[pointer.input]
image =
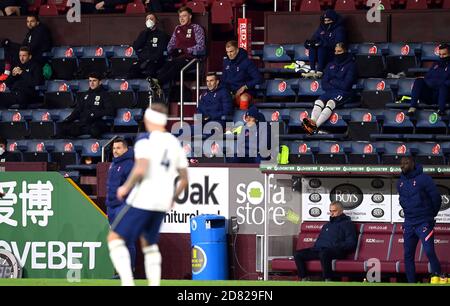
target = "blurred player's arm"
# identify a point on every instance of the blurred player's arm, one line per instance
(137, 174)
(182, 184)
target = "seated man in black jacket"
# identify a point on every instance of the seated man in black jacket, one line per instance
(24, 78)
(86, 118)
(149, 46)
(336, 240)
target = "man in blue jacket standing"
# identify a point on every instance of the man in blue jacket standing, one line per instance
(434, 88)
(215, 102)
(321, 46)
(336, 240)
(421, 201)
(119, 170)
(240, 75)
(338, 80)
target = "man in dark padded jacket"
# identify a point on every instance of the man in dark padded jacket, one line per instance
(336, 240)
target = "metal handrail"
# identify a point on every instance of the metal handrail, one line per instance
(107, 145)
(197, 61)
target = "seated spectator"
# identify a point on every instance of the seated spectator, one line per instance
(215, 102)
(336, 240)
(434, 88)
(187, 38)
(10, 7)
(248, 137)
(150, 46)
(338, 80)
(240, 75)
(321, 45)
(5, 156)
(23, 81)
(38, 40)
(86, 118)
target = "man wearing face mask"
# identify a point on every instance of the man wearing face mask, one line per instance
(434, 88)
(149, 46)
(338, 80)
(321, 45)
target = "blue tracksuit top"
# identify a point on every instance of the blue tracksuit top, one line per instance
(330, 34)
(338, 234)
(418, 196)
(215, 103)
(239, 72)
(339, 77)
(117, 175)
(439, 74)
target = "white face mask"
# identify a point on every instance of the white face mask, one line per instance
(149, 23)
(2, 151)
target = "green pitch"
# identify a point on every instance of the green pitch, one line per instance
(106, 282)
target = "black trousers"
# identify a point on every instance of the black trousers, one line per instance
(324, 255)
(77, 128)
(171, 70)
(137, 71)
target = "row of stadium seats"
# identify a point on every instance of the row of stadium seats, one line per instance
(374, 92)
(64, 152)
(359, 123)
(44, 123)
(356, 124)
(372, 60)
(124, 93)
(376, 240)
(365, 152)
(71, 62)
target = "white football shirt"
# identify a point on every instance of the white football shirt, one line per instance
(156, 190)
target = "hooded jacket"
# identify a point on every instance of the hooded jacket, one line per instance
(215, 103)
(339, 77)
(418, 196)
(239, 72)
(117, 175)
(439, 74)
(338, 234)
(330, 34)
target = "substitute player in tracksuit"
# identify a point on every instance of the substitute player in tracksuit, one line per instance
(321, 46)
(421, 201)
(338, 80)
(118, 173)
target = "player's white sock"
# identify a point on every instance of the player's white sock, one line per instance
(120, 258)
(326, 113)
(152, 264)
(317, 109)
